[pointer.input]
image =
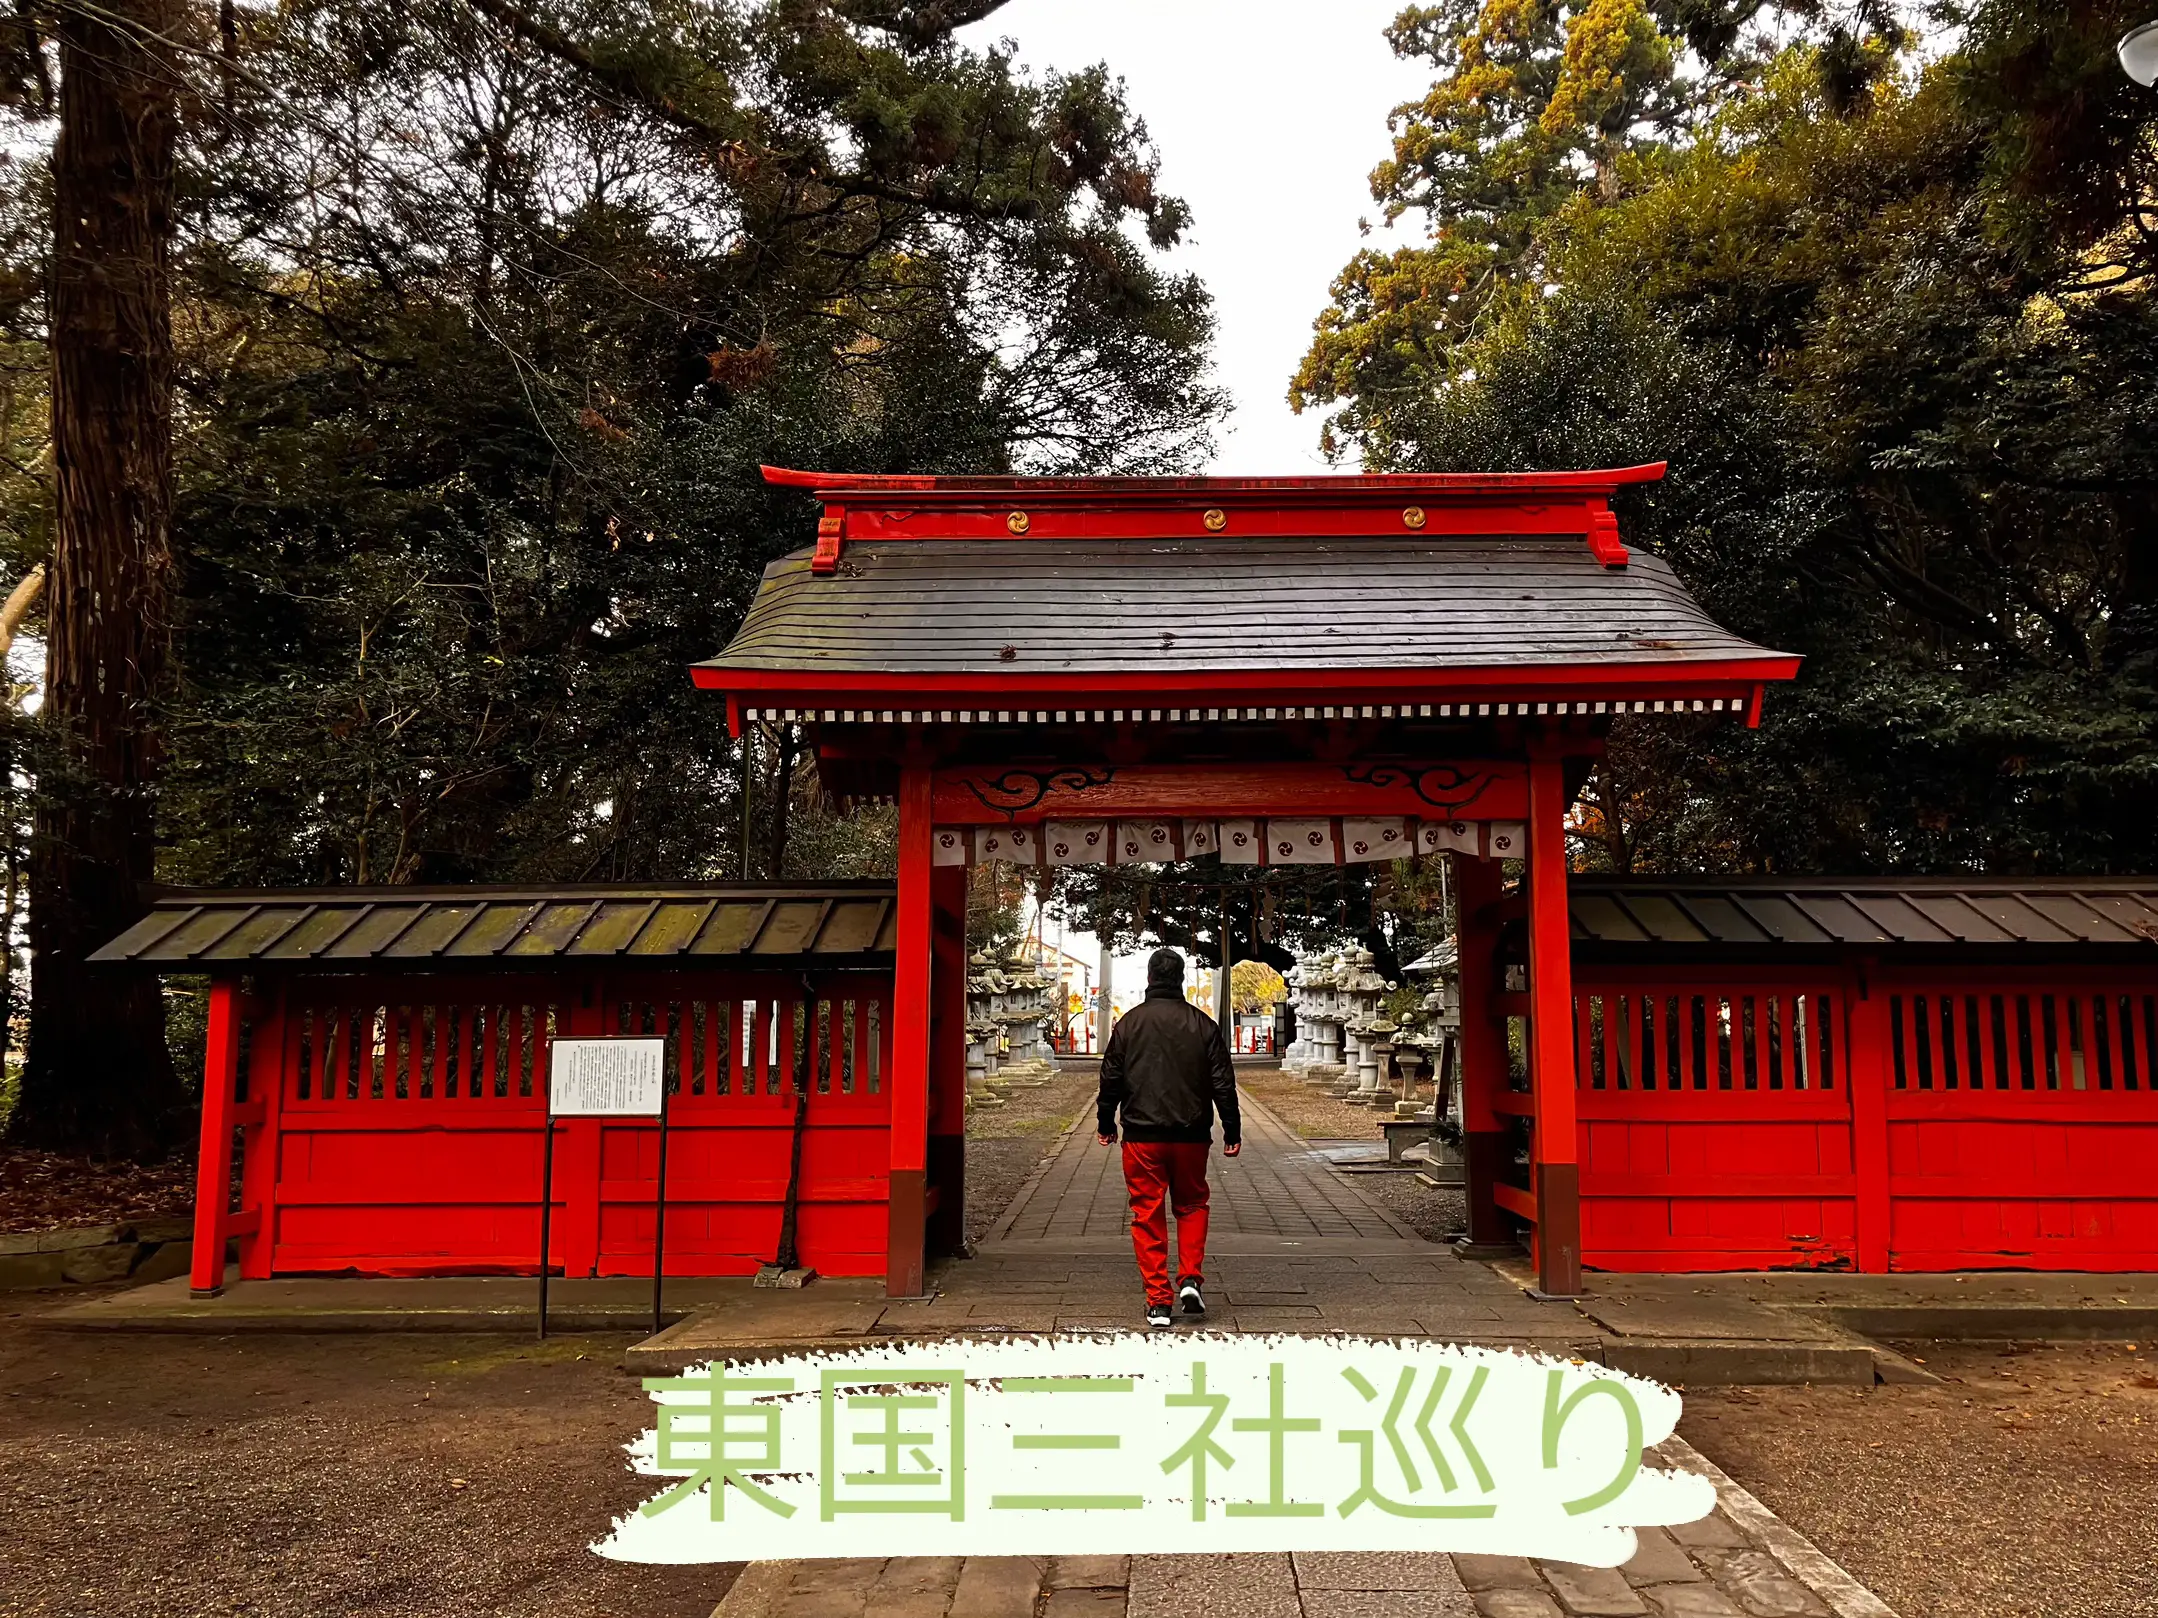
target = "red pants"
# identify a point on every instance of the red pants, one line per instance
(1161, 1174)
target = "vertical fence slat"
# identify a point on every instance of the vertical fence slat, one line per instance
(685, 1045)
(713, 1061)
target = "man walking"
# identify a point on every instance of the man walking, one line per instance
(1167, 1071)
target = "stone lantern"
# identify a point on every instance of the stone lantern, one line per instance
(984, 1033)
(1432, 1041)
(1292, 1055)
(1375, 1060)
(1020, 1014)
(1359, 990)
(1323, 1007)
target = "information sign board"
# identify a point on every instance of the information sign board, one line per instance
(607, 1078)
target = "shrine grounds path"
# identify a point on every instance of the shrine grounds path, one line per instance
(1293, 1246)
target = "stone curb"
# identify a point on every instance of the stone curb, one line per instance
(1799, 1556)
(1982, 1323)
(155, 1231)
(207, 1320)
(1678, 1361)
(758, 1591)
(1707, 1362)
(137, 1249)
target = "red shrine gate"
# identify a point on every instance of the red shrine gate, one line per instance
(1008, 655)
(1656, 1076)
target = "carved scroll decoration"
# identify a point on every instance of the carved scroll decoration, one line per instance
(1443, 786)
(1014, 792)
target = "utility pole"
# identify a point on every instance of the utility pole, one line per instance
(1223, 1009)
(1104, 1010)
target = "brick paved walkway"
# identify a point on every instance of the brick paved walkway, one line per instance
(1294, 1247)
(1740, 1562)
(1274, 1188)
(1291, 1246)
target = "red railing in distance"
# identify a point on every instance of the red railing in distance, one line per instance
(400, 1131)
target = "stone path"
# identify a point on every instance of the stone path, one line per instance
(1739, 1562)
(1276, 1187)
(1291, 1246)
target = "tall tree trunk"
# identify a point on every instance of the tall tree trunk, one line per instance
(1613, 831)
(782, 800)
(98, 1077)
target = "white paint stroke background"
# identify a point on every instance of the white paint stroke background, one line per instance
(1507, 1426)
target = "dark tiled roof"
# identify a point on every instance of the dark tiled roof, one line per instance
(1081, 606)
(344, 929)
(1865, 912)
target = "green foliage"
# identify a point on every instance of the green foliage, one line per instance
(1271, 914)
(1001, 907)
(487, 318)
(1902, 354)
(1535, 103)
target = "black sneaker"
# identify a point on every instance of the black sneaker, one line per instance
(1189, 1298)
(1158, 1316)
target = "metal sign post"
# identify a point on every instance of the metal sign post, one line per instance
(659, 1212)
(546, 1214)
(621, 1077)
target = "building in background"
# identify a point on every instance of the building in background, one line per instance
(1073, 1030)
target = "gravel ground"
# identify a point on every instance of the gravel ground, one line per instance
(385, 1475)
(1004, 1143)
(1312, 1113)
(2020, 1486)
(1436, 1215)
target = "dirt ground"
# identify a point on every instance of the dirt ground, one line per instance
(1436, 1215)
(2021, 1487)
(1314, 1114)
(1004, 1143)
(385, 1475)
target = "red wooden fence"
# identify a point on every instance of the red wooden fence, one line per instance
(1746, 1119)
(393, 1125)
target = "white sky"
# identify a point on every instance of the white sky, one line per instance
(1269, 117)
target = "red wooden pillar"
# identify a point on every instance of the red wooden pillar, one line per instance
(213, 1164)
(1866, 1067)
(911, 999)
(1551, 1036)
(947, 1155)
(1486, 1146)
(267, 1067)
